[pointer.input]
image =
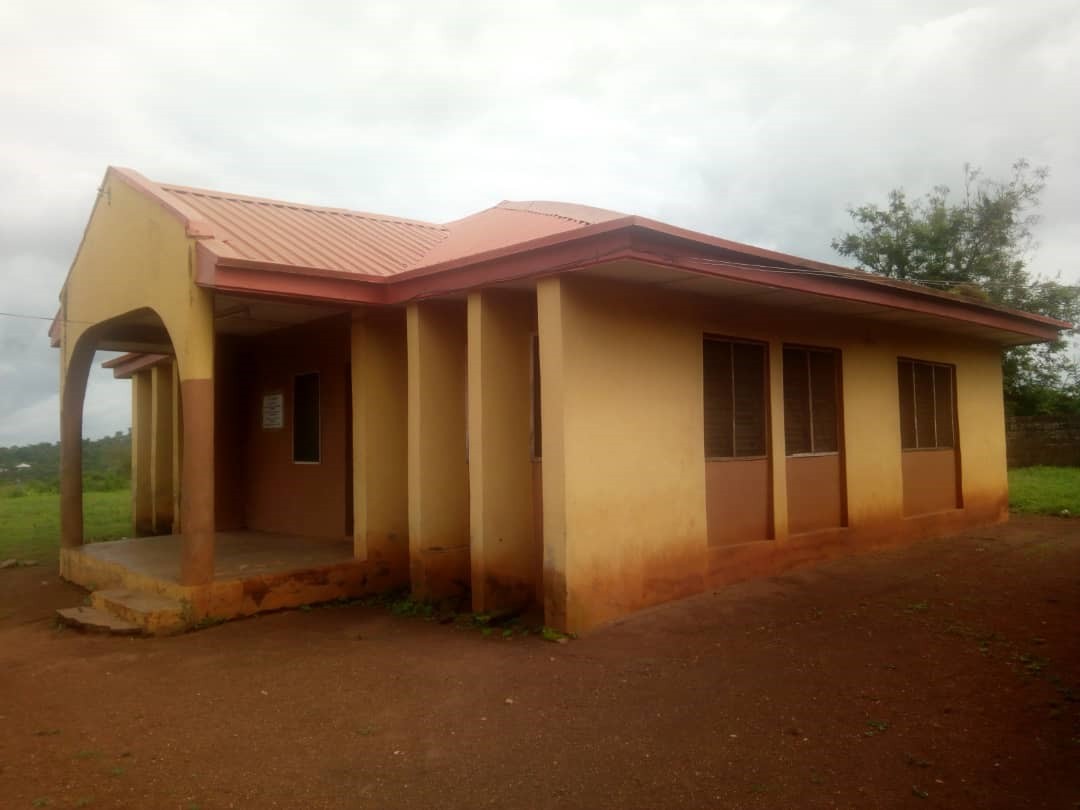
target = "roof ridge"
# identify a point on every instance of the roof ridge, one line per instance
(275, 203)
(525, 207)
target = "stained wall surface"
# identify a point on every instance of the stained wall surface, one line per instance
(626, 522)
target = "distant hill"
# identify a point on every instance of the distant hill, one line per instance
(106, 464)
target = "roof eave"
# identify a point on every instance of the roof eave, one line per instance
(634, 238)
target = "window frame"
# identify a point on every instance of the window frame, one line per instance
(765, 394)
(932, 365)
(837, 388)
(318, 418)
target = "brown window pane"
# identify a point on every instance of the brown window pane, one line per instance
(306, 418)
(748, 362)
(905, 379)
(924, 406)
(823, 393)
(719, 441)
(943, 405)
(796, 402)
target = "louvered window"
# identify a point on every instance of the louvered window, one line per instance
(735, 399)
(927, 405)
(811, 401)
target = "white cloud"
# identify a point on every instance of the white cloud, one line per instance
(760, 121)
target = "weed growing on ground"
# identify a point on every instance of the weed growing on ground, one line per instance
(1033, 664)
(915, 762)
(875, 727)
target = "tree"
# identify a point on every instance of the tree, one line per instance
(977, 246)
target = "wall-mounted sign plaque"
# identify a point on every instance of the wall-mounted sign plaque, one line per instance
(273, 411)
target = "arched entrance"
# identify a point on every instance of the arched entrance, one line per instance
(172, 432)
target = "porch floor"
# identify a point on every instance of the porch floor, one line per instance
(237, 555)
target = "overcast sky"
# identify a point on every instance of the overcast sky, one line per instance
(760, 121)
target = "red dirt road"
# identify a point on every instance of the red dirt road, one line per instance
(942, 675)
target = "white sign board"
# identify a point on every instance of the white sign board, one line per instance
(273, 411)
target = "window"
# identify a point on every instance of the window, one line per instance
(811, 396)
(735, 410)
(306, 419)
(927, 405)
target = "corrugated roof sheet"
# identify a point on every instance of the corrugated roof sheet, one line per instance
(276, 232)
(308, 236)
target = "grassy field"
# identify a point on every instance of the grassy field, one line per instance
(1045, 490)
(30, 525)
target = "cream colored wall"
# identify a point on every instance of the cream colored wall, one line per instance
(504, 550)
(624, 476)
(380, 440)
(161, 450)
(552, 332)
(622, 451)
(135, 255)
(438, 471)
(142, 440)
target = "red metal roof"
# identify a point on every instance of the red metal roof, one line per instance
(296, 235)
(269, 247)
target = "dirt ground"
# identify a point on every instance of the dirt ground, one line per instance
(946, 674)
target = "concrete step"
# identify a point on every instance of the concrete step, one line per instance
(94, 620)
(155, 614)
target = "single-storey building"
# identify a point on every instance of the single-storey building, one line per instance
(539, 403)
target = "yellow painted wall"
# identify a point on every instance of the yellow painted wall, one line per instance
(438, 471)
(142, 440)
(627, 433)
(504, 549)
(161, 449)
(552, 338)
(624, 475)
(135, 255)
(380, 439)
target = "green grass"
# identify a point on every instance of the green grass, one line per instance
(30, 524)
(1045, 490)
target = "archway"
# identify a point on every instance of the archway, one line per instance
(177, 477)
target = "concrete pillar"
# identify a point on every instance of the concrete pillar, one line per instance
(550, 331)
(195, 356)
(438, 465)
(161, 447)
(777, 449)
(504, 551)
(623, 461)
(74, 374)
(380, 435)
(177, 449)
(142, 438)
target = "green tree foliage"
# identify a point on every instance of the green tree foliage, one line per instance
(976, 244)
(106, 464)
